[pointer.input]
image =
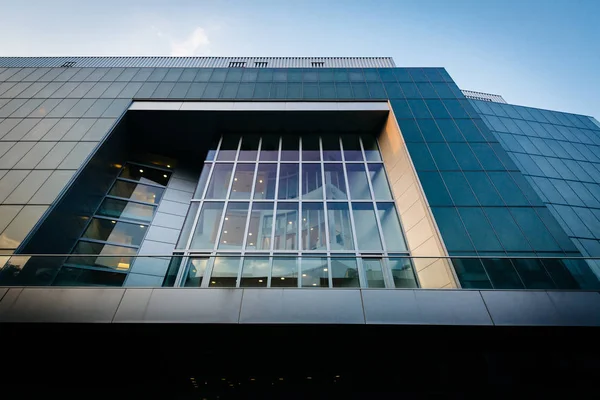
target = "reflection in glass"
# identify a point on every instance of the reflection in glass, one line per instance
(286, 227)
(195, 272)
(312, 183)
(390, 224)
(225, 272)
(340, 231)
(357, 180)
(381, 189)
(103, 259)
(115, 232)
(471, 273)
(533, 274)
(314, 272)
(502, 273)
(219, 182)
(367, 235)
(311, 150)
(234, 225)
(255, 272)
(187, 226)
(205, 234)
(371, 149)
(352, 150)
(260, 227)
(68, 276)
(331, 148)
(242, 181)
(313, 226)
(202, 181)
(229, 147)
(335, 184)
(145, 174)
(373, 272)
(402, 273)
(210, 156)
(289, 148)
(249, 148)
(136, 191)
(284, 272)
(266, 177)
(269, 148)
(344, 272)
(124, 209)
(288, 181)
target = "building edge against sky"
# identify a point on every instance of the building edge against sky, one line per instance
(451, 176)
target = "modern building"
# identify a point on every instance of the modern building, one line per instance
(302, 191)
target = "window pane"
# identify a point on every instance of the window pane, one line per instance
(187, 226)
(286, 227)
(219, 183)
(371, 149)
(357, 180)
(229, 146)
(108, 256)
(314, 272)
(335, 184)
(266, 176)
(502, 274)
(260, 227)
(368, 234)
(390, 224)
(225, 271)
(331, 148)
(289, 148)
(340, 231)
(234, 225)
(373, 272)
(68, 276)
(269, 148)
(135, 191)
(145, 174)
(208, 224)
(471, 273)
(313, 226)
(255, 272)
(352, 150)
(402, 272)
(124, 209)
(284, 272)
(242, 181)
(344, 272)
(311, 148)
(288, 181)
(202, 181)
(533, 274)
(249, 149)
(195, 272)
(312, 183)
(381, 188)
(116, 232)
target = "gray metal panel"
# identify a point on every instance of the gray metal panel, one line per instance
(577, 308)
(9, 298)
(168, 220)
(173, 207)
(150, 247)
(151, 266)
(391, 307)
(452, 307)
(521, 308)
(199, 62)
(160, 234)
(315, 306)
(194, 305)
(133, 306)
(63, 305)
(3, 292)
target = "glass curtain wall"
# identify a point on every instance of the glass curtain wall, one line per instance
(293, 211)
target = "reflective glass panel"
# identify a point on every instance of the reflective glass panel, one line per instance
(229, 146)
(225, 272)
(242, 181)
(311, 148)
(255, 272)
(136, 191)
(249, 148)
(373, 272)
(313, 226)
(314, 272)
(115, 232)
(108, 256)
(219, 182)
(269, 148)
(286, 227)
(187, 226)
(260, 227)
(145, 174)
(288, 181)
(335, 183)
(202, 181)
(352, 149)
(195, 272)
(381, 189)
(284, 272)
(234, 224)
(331, 148)
(312, 183)
(266, 177)
(344, 272)
(368, 234)
(533, 274)
(207, 227)
(290, 148)
(371, 149)
(502, 274)
(340, 231)
(390, 224)
(124, 209)
(402, 273)
(357, 180)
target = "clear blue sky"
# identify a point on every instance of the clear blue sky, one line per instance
(541, 53)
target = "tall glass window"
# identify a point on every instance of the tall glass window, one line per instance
(291, 211)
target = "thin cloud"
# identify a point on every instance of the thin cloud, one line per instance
(195, 44)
